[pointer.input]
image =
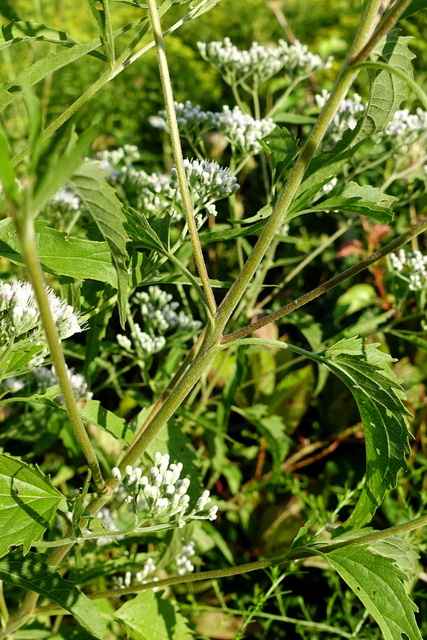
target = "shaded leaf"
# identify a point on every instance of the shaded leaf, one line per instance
(282, 148)
(388, 90)
(33, 574)
(149, 617)
(28, 502)
(24, 30)
(378, 393)
(414, 7)
(94, 413)
(105, 208)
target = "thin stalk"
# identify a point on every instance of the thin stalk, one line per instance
(177, 154)
(298, 553)
(109, 32)
(290, 276)
(344, 81)
(26, 236)
(328, 285)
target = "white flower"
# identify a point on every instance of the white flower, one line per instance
(241, 130)
(346, 117)
(412, 267)
(67, 197)
(160, 314)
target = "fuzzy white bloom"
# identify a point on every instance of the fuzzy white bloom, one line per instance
(160, 313)
(348, 114)
(46, 378)
(67, 197)
(407, 128)
(241, 130)
(162, 493)
(258, 63)
(327, 188)
(182, 560)
(412, 266)
(19, 313)
(147, 344)
(208, 182)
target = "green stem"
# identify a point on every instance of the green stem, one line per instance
(298, 553)
(328, 285)
(344, 80)
(177, 154)
(25, 230)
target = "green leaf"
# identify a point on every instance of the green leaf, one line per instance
(7, 172)
(99, 11)
(28, 502)
(58, 163)
(60, 254)
(43, 68)
(199, 7)
(366, 372)
(366, 200)
(388, 90)
(33, 574)
(272, 428)
(94, 413)
(380, 586)
(282, 148)
(25, 30)
(150, 617)
(106, 210)
(414, 7)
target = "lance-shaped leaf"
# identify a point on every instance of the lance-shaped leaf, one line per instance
(32, 573)
(379, 584)
(28, 502)
(366, 372)
(100, 198)
(414, 7)
(24, 30)
(61, 255)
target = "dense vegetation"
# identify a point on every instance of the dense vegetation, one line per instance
(235, 276)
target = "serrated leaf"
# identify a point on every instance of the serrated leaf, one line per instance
(149, 617)
(380, 586)
(33, 574)
(28, 502)
(106, 210)
(60, 254)
(379, 396)
(388, 90)
(366, 200)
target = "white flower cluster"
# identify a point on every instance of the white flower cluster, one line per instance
(140, 576)
(347, 116)
(327, 188)
(407, 128)
(68, 198)
(163, 494)
(46, 378)
(240, 129)
(109, 160)
(147, 344)
(412, 266)
(183, 561)
(159, 312)
(259, 63)
(208, 182)
(19, 314)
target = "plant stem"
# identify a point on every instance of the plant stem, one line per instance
(177, 154)
(328, 285)
(25, 229)
(344, 81)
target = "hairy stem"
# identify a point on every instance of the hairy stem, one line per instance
(177, 154)
(328, 285)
